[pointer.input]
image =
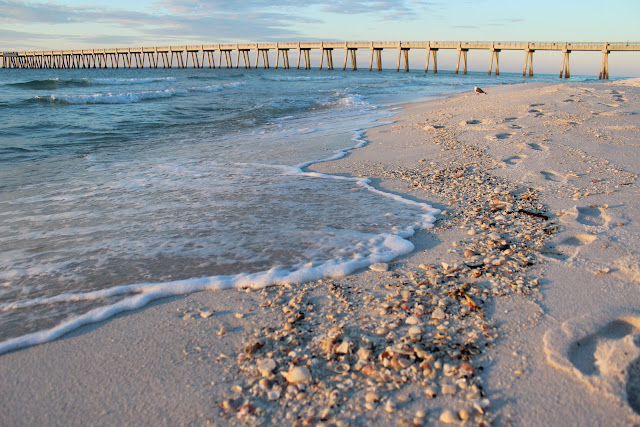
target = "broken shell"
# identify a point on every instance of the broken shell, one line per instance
(449, 389)
(412, 320)
(415, 330)
(390, 407)
(438, 314)
(273, 394)
(371, 397)
(448, 417)
(343, 348)
(379, 267)
(266, 367)
(364, 353)
(297, 374)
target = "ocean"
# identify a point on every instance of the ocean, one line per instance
(118, 187)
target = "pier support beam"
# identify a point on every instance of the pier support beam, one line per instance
(494, 54)
(285, 58)
(565, 63)
(328, 51)
(228, 61)
(462, 52)
(244, 53)
(378, 54)
(265, 58)
(350, 51)
(305, 53)
(604, 67)
(403, 51)
(528, 61)
(432, 53)
(210, 58)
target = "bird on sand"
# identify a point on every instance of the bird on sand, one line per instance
(478, 90)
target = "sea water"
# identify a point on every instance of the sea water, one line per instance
(122, 186)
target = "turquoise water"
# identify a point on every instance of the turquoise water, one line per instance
(120, 186)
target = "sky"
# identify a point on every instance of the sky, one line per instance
(84, 24)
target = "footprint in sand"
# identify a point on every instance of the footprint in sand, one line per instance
(471, 122)
(617, 96)
(500, 136)
(553, 176)
(514, 160)
(602, 352)
(593, 215)
(510, 119)
(537, 113)
(537, 147)
(570, 247)
(578, 240)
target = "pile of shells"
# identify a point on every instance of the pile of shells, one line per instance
(401, 350)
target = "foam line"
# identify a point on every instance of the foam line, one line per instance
(388, 247)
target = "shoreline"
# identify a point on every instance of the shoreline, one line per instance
(194, 359)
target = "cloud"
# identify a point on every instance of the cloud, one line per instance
(186, 21)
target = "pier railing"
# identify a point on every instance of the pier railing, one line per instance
(204, 56)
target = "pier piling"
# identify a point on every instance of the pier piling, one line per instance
(462, 52)
(494, 54)
(604, 67)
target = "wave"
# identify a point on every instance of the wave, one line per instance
(303, 78)
(216, 88)
(384, 247)
(114, 81)
(53, 84)
(109, 98)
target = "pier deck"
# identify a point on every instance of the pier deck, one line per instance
(204, 56)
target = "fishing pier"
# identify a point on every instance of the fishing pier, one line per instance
(204, 56)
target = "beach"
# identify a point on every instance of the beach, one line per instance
(520, 305)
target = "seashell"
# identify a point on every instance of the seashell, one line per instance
(266, 367)
(438, 314)
(423, 354)
(468, 253)
(390, 407)
(364, 353)
(264, 384)
(448, 417)
(465, 369)
(273, 394)
(344, 347)
(448, 389)
(379, 267)
(381, 331)
(371, 397)
(481, 404)
(342, 368)
(415, 330)
(412, 320)
(368, 370)
(297, 374)
(430, 392)
(463, 414)
(399, 350)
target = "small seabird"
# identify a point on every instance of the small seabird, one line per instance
(478, 90)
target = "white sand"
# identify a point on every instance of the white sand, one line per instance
(569, 357)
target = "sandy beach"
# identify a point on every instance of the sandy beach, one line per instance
(520, 307)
